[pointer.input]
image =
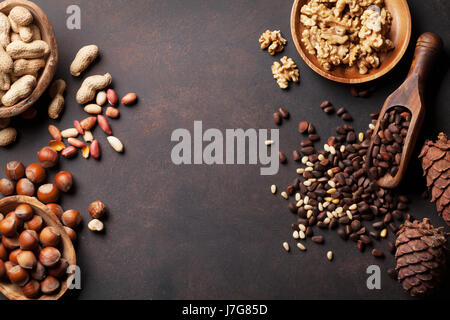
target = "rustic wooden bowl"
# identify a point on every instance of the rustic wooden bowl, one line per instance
(400, 34)
(46, 75)
(8, 204)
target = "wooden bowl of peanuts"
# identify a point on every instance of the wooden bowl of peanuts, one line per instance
(27, 40)
(67, 251)
(351, 42)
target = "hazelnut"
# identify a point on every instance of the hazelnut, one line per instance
(50, 237)
(60, 270)
(25, 187)
(3, 253)
(8, 227)
(95, 225)
(97, 209)
(18, 275)
(49, 256)
(28, 240)
(64, 181)
(9, 265)
(11, 243)
(48, 157)
(48, 193)
(71, 233)
(34, 224)
(2, 269)
(13, 255)
(32, 289)
(39, 272)
(56, 209)
(35, 173)
(7, 187)
(24, 212)
(26, 259)
(15, 170)
(19, 221)
(71, 218)
(49, 285)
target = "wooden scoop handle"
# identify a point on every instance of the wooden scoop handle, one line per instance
(427, 51)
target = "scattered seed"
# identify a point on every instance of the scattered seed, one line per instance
(115, 143)
(330, 255)
(93, 109)
(277, 118)
(273, 189)
(303, 127)
(383, 233)
(301, 246)
(377, 253)
(69, 133)
(286, 246)
(284, 112)
(284, 195)
(269, 142)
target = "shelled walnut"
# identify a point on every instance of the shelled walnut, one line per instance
(273, 41)
(348, 32)
(285, 72)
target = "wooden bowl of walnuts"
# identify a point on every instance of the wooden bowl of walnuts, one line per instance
(37, 248)
(34, 66)
(351, 44)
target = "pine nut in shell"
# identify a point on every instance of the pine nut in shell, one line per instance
(115, 143)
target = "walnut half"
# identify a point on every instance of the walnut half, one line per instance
(273, 41)
(285, 72)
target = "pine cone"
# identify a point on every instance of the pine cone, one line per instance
(420, 256)
(435, 158)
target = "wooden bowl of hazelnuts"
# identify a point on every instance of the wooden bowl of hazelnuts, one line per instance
(35, 251)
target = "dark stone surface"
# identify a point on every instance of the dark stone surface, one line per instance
(211, 232)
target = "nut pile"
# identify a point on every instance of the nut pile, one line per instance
(334, 191)
(93, 88)
(22, 56)
(389, 141)
(346, 32)
(30, 253)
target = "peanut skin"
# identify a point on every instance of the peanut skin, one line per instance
(23, 67)
(32, 50)
(56, 92)
(90, 86)
(5, 27)
(83, 59)
(20, 89)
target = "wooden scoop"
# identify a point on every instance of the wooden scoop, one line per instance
(410, 96)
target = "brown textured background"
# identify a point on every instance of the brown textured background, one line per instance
(199, 232)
